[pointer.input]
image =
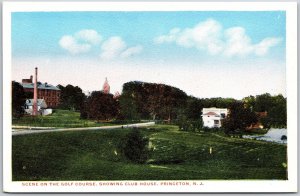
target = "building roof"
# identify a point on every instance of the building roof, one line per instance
(41, 86)
(40, 102)
(211, 114)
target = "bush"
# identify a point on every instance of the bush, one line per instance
(238, 119)
(135, 147)
(283, 137)
(214, 129)
(266, 122)
(186, 125)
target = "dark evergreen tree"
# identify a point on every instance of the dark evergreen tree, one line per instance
(71, 98)
(100, 106)
(239, 118)
(155, 101)
(276, 113)
(18, 100)
(194, 108)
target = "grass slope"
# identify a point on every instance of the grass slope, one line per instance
(176, 155)
(59, 118)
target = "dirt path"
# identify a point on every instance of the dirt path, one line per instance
(33, 130)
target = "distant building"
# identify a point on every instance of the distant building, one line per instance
(41, 107)
(212, 117)
(48, 92)
(26, 81)
(106, 87)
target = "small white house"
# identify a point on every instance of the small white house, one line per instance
(41, 104)
(212, 117)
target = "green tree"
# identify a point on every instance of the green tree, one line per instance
(139, 93)
(155, 101)
(153, 105)
(239, 118)
(263, 102)
(71, 98)
(217, 102)
(250, 102)
(277, 114)
(128, 107)
(194, 108)
(135, 147)
(275, 106)
(100, 106)
(18, 100)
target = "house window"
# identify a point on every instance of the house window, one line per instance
(223, 115)
(216, 122)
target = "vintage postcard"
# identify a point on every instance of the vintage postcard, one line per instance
(150, 97)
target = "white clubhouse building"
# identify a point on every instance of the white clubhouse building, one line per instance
(212, 117)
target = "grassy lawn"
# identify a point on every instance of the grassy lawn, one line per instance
(59, 118)
(176, 155)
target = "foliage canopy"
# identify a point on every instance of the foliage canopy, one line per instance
(18, 100)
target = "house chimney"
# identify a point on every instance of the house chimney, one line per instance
(35, 94)
(31, 77)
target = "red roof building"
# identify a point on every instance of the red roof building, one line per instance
(48, 92)
(212, 117)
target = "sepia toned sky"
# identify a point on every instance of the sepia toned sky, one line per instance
(206, 54)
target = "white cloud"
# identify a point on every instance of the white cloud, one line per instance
(132, 51)
(70, 44)
(205, 35)
(80, 42)
(89, 35)
(263, 47)
(112, 47)
(116, 47)
(211, 37)
(237, 42)
(167, 38)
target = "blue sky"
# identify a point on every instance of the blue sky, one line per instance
(154, 47)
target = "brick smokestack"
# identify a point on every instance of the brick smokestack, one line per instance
(35, 93)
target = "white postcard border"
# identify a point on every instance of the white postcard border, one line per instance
(289, 185)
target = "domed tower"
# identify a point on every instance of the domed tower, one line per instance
(106, 87)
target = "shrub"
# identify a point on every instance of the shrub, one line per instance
(186, 125)
(214, 129)
(283, 137)
(135, 147)
(239, 118)
(198, 125)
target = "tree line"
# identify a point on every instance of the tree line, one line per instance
(152, 101)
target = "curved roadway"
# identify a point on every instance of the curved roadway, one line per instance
(33, 130)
